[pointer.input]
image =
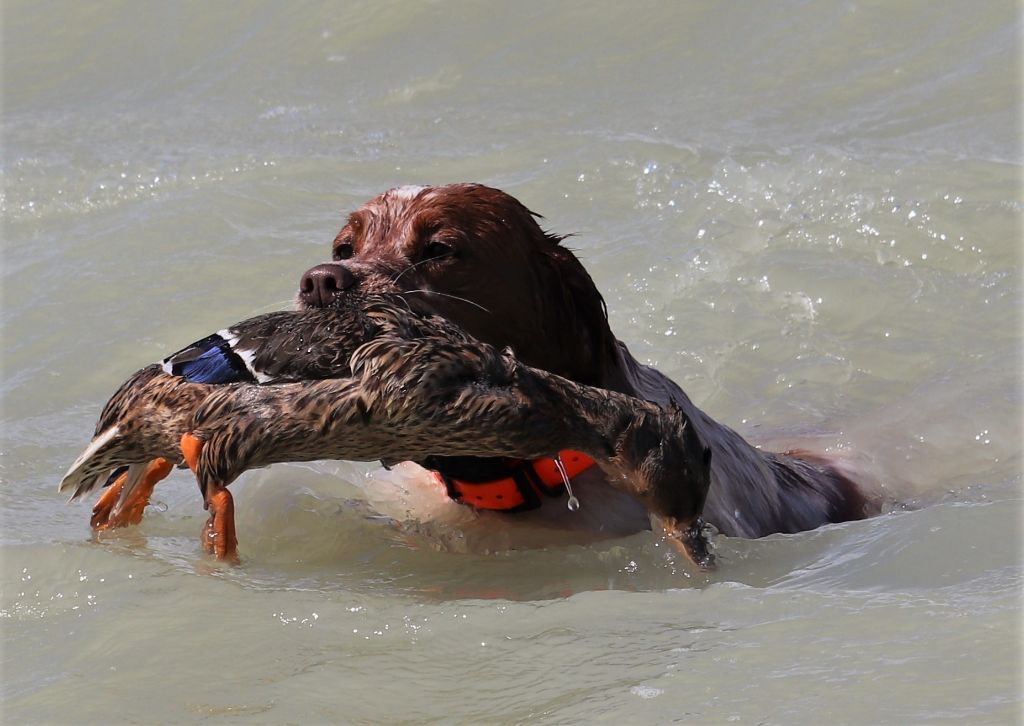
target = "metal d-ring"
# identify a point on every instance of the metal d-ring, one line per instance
(573, 504)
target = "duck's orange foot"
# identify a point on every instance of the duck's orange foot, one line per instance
(108, 513)
(218, 534)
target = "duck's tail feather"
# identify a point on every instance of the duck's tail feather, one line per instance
(97, 465)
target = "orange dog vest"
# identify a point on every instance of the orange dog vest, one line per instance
(522, 488)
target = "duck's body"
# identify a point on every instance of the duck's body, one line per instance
(373, 381)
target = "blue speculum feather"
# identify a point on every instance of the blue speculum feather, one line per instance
(218, 363)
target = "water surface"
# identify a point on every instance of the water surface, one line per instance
(808, 214)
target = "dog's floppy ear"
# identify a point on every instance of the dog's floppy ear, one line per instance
(577, 313)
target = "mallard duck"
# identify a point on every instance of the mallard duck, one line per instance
(373, 381)
(140, 431)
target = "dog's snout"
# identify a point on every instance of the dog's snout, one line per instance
(320, 285)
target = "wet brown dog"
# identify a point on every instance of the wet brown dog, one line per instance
(477, 256)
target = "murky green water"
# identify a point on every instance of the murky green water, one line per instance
(809, 214)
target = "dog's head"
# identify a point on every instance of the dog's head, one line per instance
(476, 256)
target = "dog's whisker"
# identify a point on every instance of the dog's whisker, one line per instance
(410, 267)
(453, 297)
(285, 304)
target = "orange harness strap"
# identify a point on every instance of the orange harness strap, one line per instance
(521, 490)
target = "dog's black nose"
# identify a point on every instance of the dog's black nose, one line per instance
(320, 285)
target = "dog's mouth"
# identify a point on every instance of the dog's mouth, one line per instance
(332, 285)
(417, 300)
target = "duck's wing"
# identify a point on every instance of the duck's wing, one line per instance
(227, 356)
(275, 348)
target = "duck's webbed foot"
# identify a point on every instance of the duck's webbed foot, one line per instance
(218, 535)
(120, 508)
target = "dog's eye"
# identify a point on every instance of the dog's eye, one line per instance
(435, 249)
(342, 251)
